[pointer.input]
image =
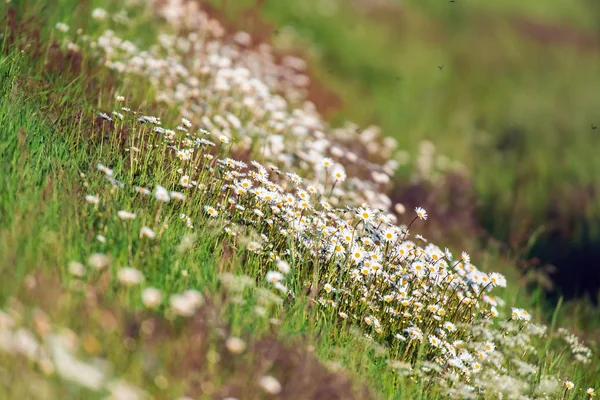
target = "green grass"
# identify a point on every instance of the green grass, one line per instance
(48, 141)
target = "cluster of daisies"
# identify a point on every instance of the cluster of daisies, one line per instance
(360, 265)
(303, 206)
(238, 92)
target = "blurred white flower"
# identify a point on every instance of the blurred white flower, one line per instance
(161, 194)
(270, 385)
(130, 276)
(99, 14)
(125, 215)
(76, 269)
(147, 232)
(235, 345)
(151, 297)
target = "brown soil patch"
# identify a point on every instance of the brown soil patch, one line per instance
(251, 21)
(451, 205)
(554, 34)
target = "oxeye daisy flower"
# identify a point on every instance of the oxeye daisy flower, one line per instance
(449, 326)
(147, 232)
(464, 256)
(418, 268)
(253, 246)
(76, 269)
(295, 178)
(338, 173)
(274, 276)
(235, 345)
(92, 199)
(184, 155)
(130, 276)
(119, 98)
(591, 392)
(182, 305)
(311, 189)
(569, 385)
(414, 333)
(99, 14)
(177, 196)
(365, 214)
(339, 250)
(357, 254)
(283, 266)
(186, 123)
(270, 385)
(107, 171)
(520, 314)
(151, 297)
(325, 204)
(497, 279)
(211, 211)
(161, 194)
(246, 184)
(421, 238)
(347, 236)
(99, 260)
(434, 341)
(184, 181)
(223, 139)
(389, 235)
(281, 287)
(142, 190)
(421, 213)
(399, 208)
(327, 162)
(125, 215)
(62, 27)
(303, 194)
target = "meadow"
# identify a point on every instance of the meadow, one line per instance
(178, 221)
(506, 91)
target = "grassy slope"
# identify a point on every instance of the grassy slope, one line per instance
(41, 233)
(47, 141)
(46, 145)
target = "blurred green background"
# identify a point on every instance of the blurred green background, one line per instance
(509, 88)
